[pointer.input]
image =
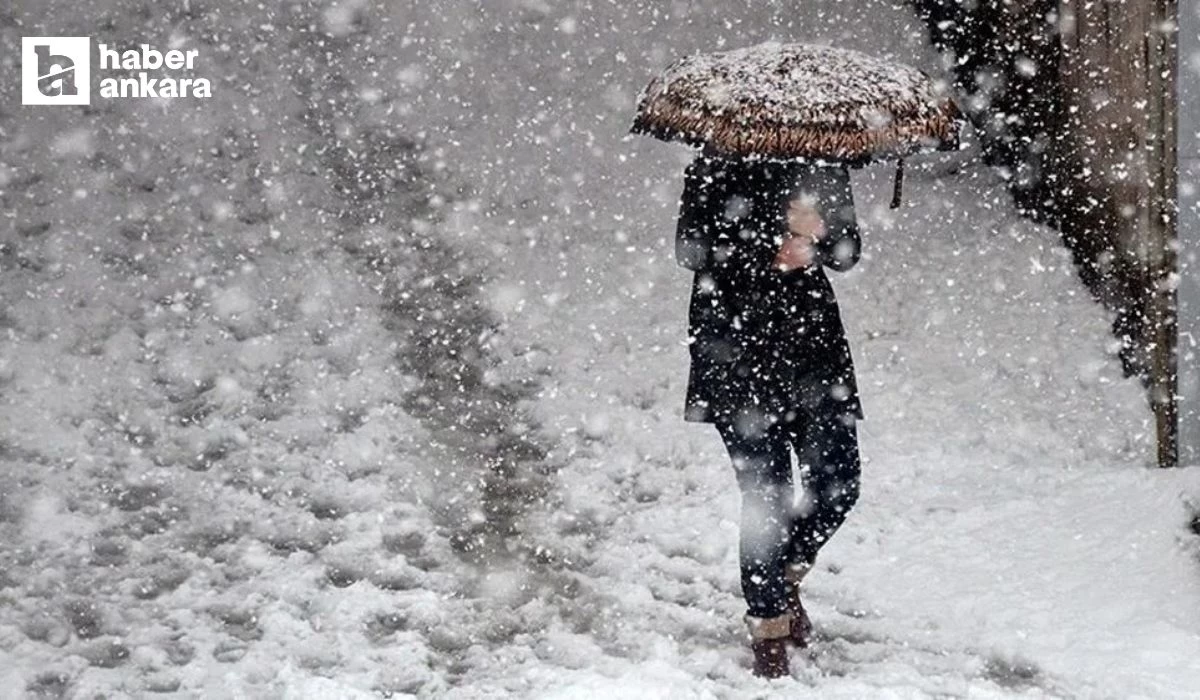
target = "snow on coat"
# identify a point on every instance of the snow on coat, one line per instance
(764, 344)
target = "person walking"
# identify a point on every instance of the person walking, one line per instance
(771, 367)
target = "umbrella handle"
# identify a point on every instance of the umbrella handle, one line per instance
(898, 187)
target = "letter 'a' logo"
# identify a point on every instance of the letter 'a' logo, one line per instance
(56, 70)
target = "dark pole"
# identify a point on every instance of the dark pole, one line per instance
(1162, 263)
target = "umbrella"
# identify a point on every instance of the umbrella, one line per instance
(788, 101)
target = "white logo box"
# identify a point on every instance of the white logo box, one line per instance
(56, 70)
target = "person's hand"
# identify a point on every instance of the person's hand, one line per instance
(804, 220)
(806, 228)
(795, 253)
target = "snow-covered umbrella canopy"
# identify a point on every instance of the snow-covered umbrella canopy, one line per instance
(799, 101)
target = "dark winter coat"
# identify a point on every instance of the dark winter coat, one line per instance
(764, 344)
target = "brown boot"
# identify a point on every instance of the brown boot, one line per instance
(801, 628)
(768, 641)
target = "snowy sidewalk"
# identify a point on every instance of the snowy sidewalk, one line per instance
(1009, 540)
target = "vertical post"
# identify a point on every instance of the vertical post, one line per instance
(1160, 262)
(1118, 66)
(1188, 193)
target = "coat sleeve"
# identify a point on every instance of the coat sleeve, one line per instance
(699, 217)
(841, 247)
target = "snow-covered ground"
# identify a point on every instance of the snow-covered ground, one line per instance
(226, 472)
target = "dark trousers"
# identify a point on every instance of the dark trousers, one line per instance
(776, 530)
